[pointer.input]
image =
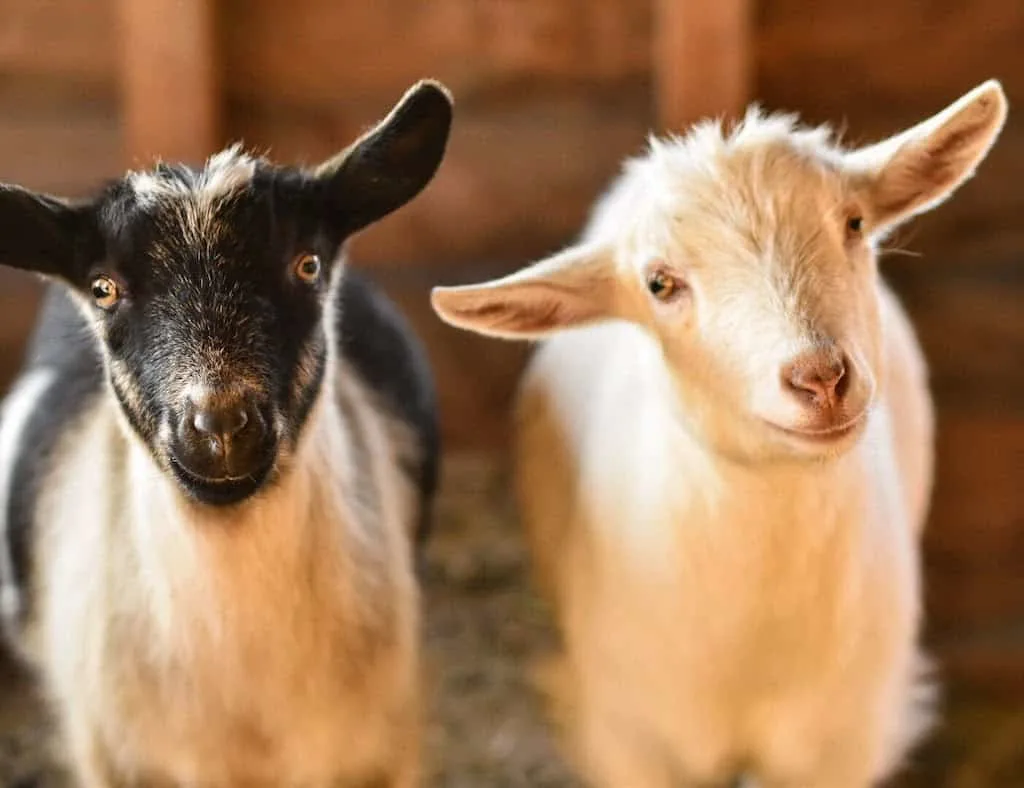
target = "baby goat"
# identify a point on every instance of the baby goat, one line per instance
(212, 467)
(724, 470)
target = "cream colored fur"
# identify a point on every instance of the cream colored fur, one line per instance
(738, 595)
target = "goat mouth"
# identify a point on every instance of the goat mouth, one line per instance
(821, 437)
(220, 492)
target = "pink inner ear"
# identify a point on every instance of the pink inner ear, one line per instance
(528, 308)
(534, 315)
(927, 170)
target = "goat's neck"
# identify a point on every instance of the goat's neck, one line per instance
(705, 481)
(286, 520)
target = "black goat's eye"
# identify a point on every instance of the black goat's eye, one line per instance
(855, 224)
(105, 292)
(663, 286)
(307, 268)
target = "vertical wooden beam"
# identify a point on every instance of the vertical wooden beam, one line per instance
(169, 82)
(703, 63)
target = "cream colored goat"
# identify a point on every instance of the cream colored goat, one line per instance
(724, 469)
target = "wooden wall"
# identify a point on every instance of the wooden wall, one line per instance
(551, 94)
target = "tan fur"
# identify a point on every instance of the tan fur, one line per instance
(194, 648)
(193, 207)
(738, 596)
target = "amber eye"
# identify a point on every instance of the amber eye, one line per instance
(307, 268)
(663, 286)
(854, 225)
(105, 292)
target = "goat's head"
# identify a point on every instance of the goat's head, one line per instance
(210, 290)
(751, 257)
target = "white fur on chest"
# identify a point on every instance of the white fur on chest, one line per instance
(765, 562)
(218, 649)
(738, 604)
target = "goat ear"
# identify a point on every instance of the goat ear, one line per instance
(41, 233)
(391, 163)
(916, 170)
(571, 288)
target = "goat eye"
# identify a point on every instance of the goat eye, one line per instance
(663, 286)
(307, 268)
(855, 224)
(105, 292)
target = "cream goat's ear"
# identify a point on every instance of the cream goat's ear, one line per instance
(916, 170)
(572, 288)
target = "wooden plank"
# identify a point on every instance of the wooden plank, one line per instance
(832, 54)
(331, 54)
(169, 79)
(992, 669)
(71, 39)
(702, 59)
(57, 136)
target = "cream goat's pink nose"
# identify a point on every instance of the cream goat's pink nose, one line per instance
(818, 377)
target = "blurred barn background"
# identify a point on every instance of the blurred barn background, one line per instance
(550, 96)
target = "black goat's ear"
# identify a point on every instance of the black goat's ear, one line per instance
(390, 164)
(44, 234)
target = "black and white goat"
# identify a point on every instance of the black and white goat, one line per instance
(212, 467)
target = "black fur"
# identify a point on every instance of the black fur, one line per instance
(378, 342)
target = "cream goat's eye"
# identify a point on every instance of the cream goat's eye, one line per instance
(105, 292)
(855, 224)
(307, 268)
(663, 286)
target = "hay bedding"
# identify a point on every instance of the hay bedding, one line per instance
(483, 627)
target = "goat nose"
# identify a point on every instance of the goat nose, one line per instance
(221, 421)
(817, 376)
(221, 434)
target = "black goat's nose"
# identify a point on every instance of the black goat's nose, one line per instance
(221, 422)
(223, 435)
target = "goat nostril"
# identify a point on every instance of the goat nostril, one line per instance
(220, 422)
(821, 380)
(842, 382)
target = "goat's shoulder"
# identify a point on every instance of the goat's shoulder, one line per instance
(379, 346)
(61, 378)
(596, 377)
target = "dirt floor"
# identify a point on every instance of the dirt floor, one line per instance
(483, 629)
